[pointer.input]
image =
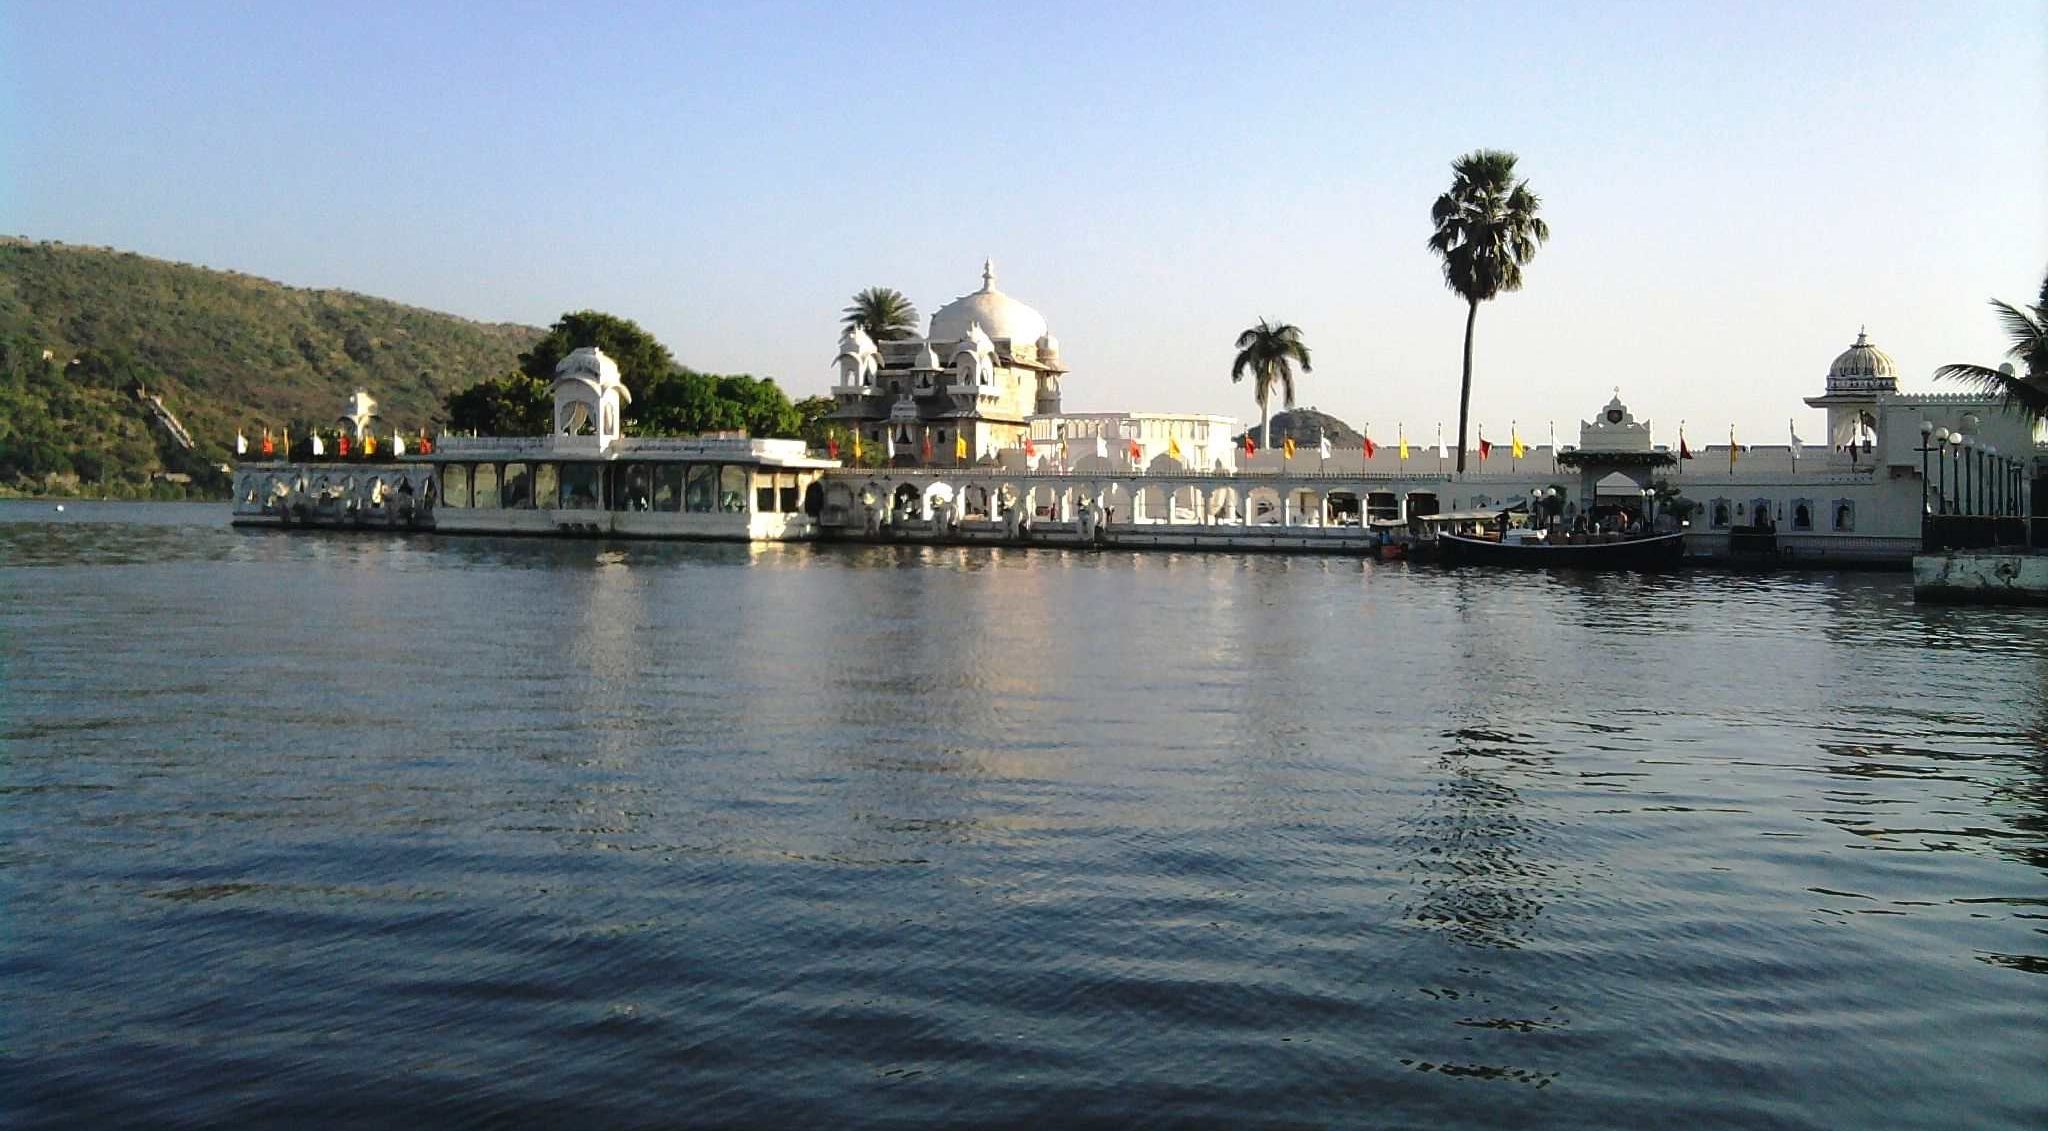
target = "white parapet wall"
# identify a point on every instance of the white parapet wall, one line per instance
(1981, 577)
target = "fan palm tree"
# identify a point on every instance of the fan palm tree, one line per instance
(884, 313)
(1486, 230)
(1269, 352)
(2029, 330)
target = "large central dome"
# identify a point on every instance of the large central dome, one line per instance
(1000, 315)
(1863, 367)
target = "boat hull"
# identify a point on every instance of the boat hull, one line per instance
(1661, 551)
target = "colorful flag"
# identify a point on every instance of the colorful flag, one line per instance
(340, 444)
(1370, 448)
(856, 446)
(426, 446)
(960, 446)
(1137, 453)
(925, 449)
(370, 445)
(1401, 433)
(1030, 449)
(1250, 449)
(832, 447)
(1173, 448)
(269, 445)
(1485, 449)
(1684, 452)
(1516, 449)
(1287, 447)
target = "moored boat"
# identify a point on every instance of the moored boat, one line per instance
(1646, 552)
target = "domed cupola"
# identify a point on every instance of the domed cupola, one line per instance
(1048, 348)
(1863, 368)
(999, 315)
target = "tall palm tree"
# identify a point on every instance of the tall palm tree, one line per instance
(1486, 230)
(2029, 330)
(884, 313)
(1269, 352)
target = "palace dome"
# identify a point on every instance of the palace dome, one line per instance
(999, 315)
(1863, 366)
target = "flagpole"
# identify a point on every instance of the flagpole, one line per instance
(1553, 447)
(1514, 441)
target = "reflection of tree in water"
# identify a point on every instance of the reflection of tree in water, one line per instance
(1471, 841)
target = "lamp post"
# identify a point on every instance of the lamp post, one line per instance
(1649, 508)
(1941, 469)
(1926, 432)
(1969, 479)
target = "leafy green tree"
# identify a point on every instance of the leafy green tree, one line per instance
(642, 360)
(884, 313)
(686, 402)
(1269, 352)
(1487, 229)
(512, 405)
(2024, 387)
(811, 423)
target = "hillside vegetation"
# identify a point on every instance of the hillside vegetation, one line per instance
(83, 329)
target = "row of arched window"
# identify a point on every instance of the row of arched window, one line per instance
(1798, 514)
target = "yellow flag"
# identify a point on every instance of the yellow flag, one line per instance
(1173, 447)
(1404, 443)
(369, 445)
(960, 445)
(1287, 447)
(1516, 446)
(856, 443)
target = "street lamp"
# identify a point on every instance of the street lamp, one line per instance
(1969, 478)
(1926, 433)
(1941, 437)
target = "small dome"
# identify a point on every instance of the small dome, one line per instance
(1863, 366)
(926, 359)
(589, 363)
(1048, 346)
(997, 313)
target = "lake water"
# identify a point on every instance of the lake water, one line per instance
(319, 830)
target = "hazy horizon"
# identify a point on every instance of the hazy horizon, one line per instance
(1732, 191)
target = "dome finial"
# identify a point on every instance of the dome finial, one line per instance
(1862, 335)
(988, 274)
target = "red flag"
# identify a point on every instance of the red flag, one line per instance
(269, 446)
(1370, 447)
(832, 446)
(1030, 449)
(341, 445)
(927, 447)
(1683, 451)
(1137, 453)
(1485, 449)
(1250, 449)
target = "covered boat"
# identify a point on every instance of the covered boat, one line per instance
(1646, 552)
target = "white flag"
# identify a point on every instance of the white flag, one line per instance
(1796, 444)
(1441, 451)
(319, 449)
(397, 443)
(891, 448)
(241, 444)
(1323, 446)
(1101, 448)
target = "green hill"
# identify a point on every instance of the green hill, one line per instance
(83, 329)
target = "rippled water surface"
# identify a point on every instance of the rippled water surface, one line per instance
(304, 830)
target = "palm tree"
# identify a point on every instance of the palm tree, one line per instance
(2029, 330)
(884, 313)
(1269, 352)
(1486, 230)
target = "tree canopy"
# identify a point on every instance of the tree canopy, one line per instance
(2025, 386)
(1485, 229)
(884, 313)
(642, 360)
(1268, 352)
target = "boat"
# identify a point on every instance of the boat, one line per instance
(1531, 551)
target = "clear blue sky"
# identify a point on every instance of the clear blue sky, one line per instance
(1732, 189)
